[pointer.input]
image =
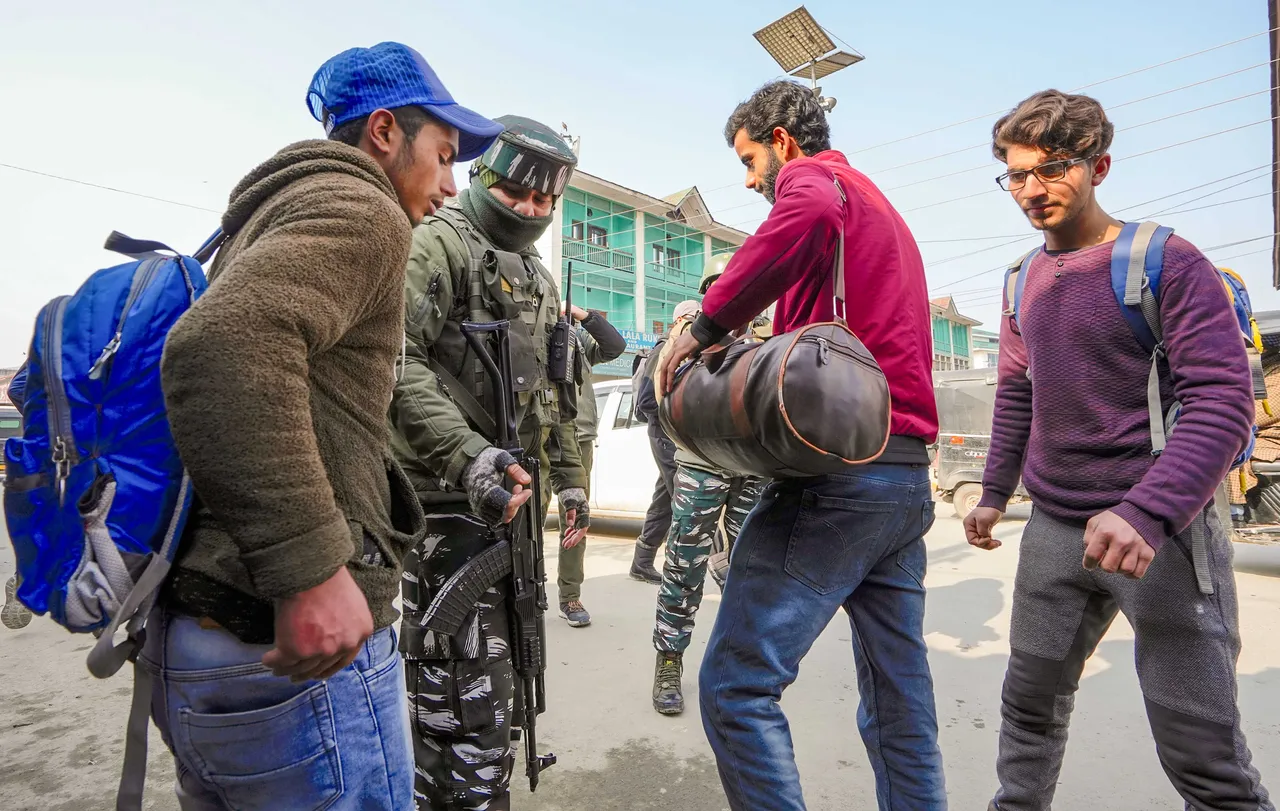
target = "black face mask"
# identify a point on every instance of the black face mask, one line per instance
(509, 230)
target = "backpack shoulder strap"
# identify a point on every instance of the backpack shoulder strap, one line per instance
(1015, 279)
(1137, 261)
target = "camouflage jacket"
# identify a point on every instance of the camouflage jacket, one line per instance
(441, 412)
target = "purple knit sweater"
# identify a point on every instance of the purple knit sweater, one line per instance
(1076, 427)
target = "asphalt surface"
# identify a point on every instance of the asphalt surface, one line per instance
(61, 731)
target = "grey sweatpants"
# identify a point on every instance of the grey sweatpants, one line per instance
(1187, 643)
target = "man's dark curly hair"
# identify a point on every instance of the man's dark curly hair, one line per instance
(789, 105)
(1063, 125)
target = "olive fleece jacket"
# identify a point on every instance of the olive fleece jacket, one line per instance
(277, 384)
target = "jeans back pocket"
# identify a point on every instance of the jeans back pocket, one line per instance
(835, 541)
(282, 756)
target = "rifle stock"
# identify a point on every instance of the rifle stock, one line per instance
(526, 580)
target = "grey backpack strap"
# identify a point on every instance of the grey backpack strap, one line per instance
(1137, 291)
(133, 774)
(1011, 283)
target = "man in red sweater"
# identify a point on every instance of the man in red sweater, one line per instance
(852, 540)
(1117, 527)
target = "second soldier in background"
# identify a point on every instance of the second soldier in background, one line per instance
(476, 262)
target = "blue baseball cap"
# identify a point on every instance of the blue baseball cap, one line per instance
(358, 81)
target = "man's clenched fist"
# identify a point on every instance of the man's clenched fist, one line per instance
(978, 525)
(1112, 544)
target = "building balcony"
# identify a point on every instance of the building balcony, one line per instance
(598, 255)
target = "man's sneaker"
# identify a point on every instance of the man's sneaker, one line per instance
(575, 613)
(14, 615)
(667, 696)
(642, 565)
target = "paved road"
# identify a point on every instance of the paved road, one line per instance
(61, 731)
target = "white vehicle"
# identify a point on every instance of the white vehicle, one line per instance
(623, 473)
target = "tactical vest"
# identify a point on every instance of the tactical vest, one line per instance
(503, 285)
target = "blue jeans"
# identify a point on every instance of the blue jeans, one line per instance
(810, 547)
(244, 739)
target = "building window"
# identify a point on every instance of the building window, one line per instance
(597, 236)
(666, 257)
(575, 231)
(659, 328)
(941, 363)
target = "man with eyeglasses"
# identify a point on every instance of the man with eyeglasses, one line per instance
(1114, 524)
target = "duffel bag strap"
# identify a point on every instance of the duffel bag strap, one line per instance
(838, 269)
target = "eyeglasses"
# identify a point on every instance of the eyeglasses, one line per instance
(1047, 172)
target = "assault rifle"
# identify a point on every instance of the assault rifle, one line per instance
(516, 557)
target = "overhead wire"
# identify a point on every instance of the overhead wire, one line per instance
(1075, 90)
(989, 165)
(107, 188)
(999, 291)
(1116, 160)
(657, 207)
(1242, 255)
(1007, 264)
(1175, 210)
(1110, 108)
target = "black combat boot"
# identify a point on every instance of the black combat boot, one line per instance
(667, 697)
(718, 566)
(642, 565)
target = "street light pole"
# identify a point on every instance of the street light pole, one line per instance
(1273, 15)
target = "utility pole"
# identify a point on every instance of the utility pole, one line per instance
(1273, 16)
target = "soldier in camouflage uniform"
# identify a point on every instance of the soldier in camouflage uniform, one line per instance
(703, 496)
(598, 342)
(475, 261)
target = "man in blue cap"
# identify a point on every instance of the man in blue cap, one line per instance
(278, 682)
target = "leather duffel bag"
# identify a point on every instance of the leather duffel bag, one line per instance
(806, 403)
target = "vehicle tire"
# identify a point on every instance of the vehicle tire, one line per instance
(1268, 509)
(966, 498)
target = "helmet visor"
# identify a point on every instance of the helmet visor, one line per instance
(529, 169)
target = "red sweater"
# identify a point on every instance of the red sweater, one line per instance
(790, 260)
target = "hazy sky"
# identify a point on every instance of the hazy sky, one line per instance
(180, 100)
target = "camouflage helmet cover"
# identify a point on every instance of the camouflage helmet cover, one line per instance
(531, 155)
(713, 269)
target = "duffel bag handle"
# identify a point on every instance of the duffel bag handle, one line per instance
(714, 355)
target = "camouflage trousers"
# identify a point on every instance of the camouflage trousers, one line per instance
(699, 501)
(461, 688)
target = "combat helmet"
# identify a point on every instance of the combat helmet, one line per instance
(713, 270)
(529, 154)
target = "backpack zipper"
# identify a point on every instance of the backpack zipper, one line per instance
(63, 452)
(141, 278)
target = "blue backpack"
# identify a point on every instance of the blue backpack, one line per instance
(96, 496)
(1137, 261)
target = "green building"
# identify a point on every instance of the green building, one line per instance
(633, 257)
(952, 336)
(986, 349)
